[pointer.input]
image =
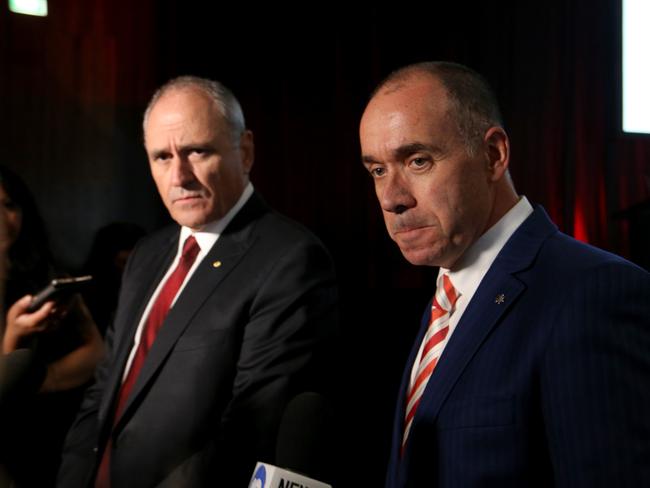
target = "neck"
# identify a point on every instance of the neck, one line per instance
(505, 197)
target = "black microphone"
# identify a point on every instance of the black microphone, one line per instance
(304, 436)
(303, 447)
(20, 373)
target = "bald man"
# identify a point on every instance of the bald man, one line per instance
(532, 364)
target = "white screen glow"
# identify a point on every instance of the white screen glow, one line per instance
(636, 66)
(29, 7)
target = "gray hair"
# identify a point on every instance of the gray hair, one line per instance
(474, 106)
(225, 101)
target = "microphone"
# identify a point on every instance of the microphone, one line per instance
(20, 373)
(302, 446)
(269, 476)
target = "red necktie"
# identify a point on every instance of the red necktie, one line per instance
(153, 323)
(434, 342)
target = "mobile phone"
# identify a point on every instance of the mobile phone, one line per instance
(57, 289)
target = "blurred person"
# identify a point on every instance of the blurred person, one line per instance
(21, 372)
(63, 337)
(109, 252)
(221, 320)
(532, 365)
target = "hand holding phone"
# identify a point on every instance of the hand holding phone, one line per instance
(58, 289)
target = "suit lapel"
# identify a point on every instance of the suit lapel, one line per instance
(228, 250)
(483, 313)
(497, 293)
(398, 421)
(153, 268)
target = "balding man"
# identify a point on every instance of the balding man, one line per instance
(532, 363)
(221, 318)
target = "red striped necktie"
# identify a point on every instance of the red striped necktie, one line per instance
(434, 342)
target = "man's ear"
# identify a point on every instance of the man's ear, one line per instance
(497, 148)
(247, 148)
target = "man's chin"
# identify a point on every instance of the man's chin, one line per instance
(190, 219)
(414, 256)
(417, 260)
(421, 256)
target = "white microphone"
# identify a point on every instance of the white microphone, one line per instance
(303, 446)
(269, 476)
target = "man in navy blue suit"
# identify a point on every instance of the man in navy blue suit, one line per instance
(532, 364)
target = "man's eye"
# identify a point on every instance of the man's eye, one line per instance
(419, 163)
(198, 153)
(377, 172)
(161, 158)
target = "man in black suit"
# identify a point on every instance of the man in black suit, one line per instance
(246, 330)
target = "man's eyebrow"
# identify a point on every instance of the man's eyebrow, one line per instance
(404, 151)
(407, 149)
(157, 153)
(367, 159)
(183, 148)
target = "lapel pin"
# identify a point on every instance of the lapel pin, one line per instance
(500, 298)
(216, 264)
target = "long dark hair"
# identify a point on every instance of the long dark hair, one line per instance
(30, 261)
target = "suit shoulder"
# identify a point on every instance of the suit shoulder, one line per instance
(278, 228)
(577, 255)
(152, 244)
(577, 265)
(538, 245)
(160, 235)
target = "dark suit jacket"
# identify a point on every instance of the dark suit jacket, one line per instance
(550, 387)
(241, 340)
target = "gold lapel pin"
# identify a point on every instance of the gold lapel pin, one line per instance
(216, 264)
(500, 298)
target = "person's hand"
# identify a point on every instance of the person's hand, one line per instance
(22, 325)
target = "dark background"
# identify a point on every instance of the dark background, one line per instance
(73, 87)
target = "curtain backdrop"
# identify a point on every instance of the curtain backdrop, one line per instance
(73, 87)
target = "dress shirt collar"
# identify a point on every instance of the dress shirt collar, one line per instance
(474, 264)
(208, 235)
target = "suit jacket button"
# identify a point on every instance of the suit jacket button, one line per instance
(95, 449)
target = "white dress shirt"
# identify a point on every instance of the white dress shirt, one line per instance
(205, 238)
(475, 263)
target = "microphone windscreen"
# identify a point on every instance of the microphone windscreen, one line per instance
(305, 435)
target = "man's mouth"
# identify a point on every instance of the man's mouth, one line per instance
(186, 199)
(408, 230)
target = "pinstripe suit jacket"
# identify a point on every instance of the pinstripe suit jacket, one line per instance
(550, 387)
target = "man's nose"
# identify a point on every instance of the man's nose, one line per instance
(394, 194)
(182, 171)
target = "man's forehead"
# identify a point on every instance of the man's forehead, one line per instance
(409, 106)
(180, 100)
(413, 93)
(184, 113)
